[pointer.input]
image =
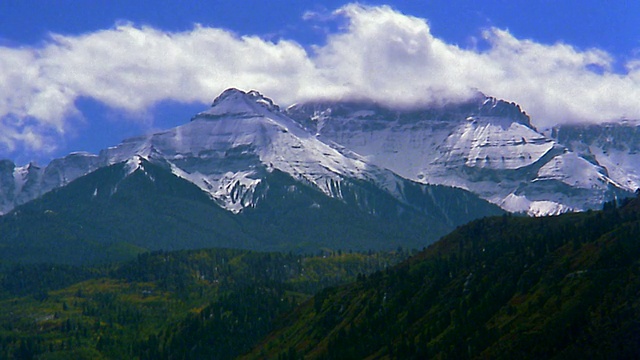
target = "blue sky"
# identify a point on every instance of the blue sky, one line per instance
(83, 75)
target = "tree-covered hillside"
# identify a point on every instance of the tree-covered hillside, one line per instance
(562, 287)
(164, 305)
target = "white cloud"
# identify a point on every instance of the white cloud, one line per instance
(130, 69)
(558, 83)
(389, 56)
(381, 54)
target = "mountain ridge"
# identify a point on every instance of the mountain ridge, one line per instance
(485, 145)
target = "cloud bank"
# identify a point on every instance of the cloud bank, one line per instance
(380, 54)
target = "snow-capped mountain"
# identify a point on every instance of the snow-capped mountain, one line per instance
(268, 184)
(226, 151)
(485, 145)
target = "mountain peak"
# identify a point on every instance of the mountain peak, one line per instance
(238, 103)
(492, 106)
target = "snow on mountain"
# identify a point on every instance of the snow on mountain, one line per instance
(487, 146)
(15, 181)
(20, 184)
(226, 149)
(575, 171)
(434, 138)
(614, 146)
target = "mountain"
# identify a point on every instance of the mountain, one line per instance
(484, 145)
(561, 287)
(128, 208)
(241, 174)
(615, 146)
(20, 184)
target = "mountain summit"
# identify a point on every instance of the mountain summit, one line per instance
(237, 102)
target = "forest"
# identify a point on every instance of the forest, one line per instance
(214, 303)
(503, 287)
(561, 287)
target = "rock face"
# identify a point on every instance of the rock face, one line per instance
(486, 146)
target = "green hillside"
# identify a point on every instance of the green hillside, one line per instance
(506, 287)
(164, 305)
(565, 287)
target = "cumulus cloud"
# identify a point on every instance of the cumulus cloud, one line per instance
(391, 57)
(380, 54)
(558, 83)
(131, 68)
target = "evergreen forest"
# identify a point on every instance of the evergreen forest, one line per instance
(502, 287)
(561, 287)
(191, 304)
